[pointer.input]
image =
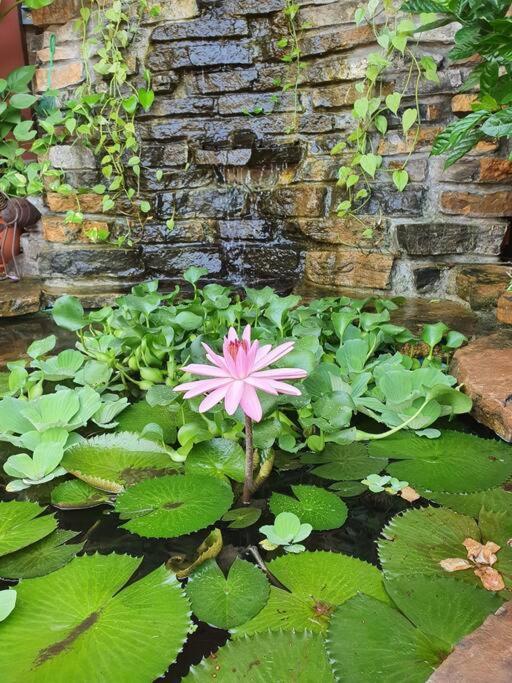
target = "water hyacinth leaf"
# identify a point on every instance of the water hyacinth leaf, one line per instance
(495, 500)
(137, 416)
(21, 525)
(225, 602)
(118, 633)
(112, 462)
(218, 458)
(41, 347)
(68, 313)
(241, 518)
(63, 366)
(172, 506)
(345, 463)
(77, 495)
(394, 649)
(43, 557)
(7, 603)
(278, 657)
(312, 505)
(316, 583)
(453, 463)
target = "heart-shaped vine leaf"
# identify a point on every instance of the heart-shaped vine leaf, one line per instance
(42, 557)
(172, 506)
(277, 657)
(21, 525)
(77, 495)
(312, 505)
(345, 463)
(115, 634)
(316, 583)
(218, 457)
(112, 462)
(139, 415)
(453, 463)
(229, 601)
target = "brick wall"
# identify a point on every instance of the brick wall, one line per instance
(257, 205)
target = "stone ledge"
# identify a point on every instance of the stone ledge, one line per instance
(19, 298)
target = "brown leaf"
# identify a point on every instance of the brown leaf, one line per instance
(409, 494)
(455, 564)
(208, 550)
(481, 554)
(490, 578)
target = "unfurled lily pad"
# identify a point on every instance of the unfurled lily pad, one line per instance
(312, 505)
(42, 557)
(77, 495)
(22, 523)
(139, 415)
(345, 463)
(171, 506)
(218, 457)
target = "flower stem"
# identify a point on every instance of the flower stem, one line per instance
(249, 462)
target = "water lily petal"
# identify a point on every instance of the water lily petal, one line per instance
(281, 373)
(233, 396)
(272, 356)
(205, 370)
(213, 398)
(250, 403)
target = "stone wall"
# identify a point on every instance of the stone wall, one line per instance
(257, 205)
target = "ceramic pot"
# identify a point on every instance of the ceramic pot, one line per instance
(9, 244)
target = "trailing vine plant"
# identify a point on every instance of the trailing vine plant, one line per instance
(378, 108)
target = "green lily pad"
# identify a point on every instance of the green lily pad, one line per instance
(229, 601)
(77, 495)
(218, 458)
(241, 518)
(267, 657)
(453, 463)
(344, 463)
(320, 508)
(495, 500)
(348, 489)
(81, 624)
(139, 415)
(167, 507)
(316, 583)
(21, 525)
(113, 462)
(42, 557)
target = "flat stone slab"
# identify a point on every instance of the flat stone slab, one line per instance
(485, 656)
(16, 334)
(19, 298)
(484, 367)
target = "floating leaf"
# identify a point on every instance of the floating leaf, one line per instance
(316, 583)
(167, 507)
(495, 500)
(79, 624)
(139, 415)
(225, 602)
(453, 463)
(112, 462)
(43, 557)
(343, 463)
(277, 657)
(218, 458)
(348, 489)
(21, 525)
(77, 495)
(7, 603)
(320, 508)
(241, 518)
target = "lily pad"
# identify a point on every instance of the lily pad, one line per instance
(219, 458)
(167, 507)
(277, 657)
(225, 602)
(77, 495)
(453, 463)
(495, 500)
(21, 525)
(7, 603)
(139, 415)
(79, 624)
(320, 508)
(43, 557)
(348, 489)
(344, 463)
(316, 583)
(113, 462)
(241, 518)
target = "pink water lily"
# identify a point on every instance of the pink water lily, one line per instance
(239, 373)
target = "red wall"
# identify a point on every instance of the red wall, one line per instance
(12, 53)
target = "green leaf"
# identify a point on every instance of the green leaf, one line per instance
(432, 334)
(241, 518)
(77, 495)
(146, 98)
(45, 556)
(277, 657)
(409, 118)
(113, 462)
(494, 500)
(21, 525)
(82, 620)
(225, 602)
(219, 458)
(63, 366)
(370, 163)
(18, 80)
(7, 603)
(194, 274)
(316, 583)
(189, 321)
(453, 463)
(22, 101)
(172, 506)
(499, 125)
(139, 415)
(318, 507)
(41, 347)
(393, 102)
(69, 313)
(346, 463)
(400, 179)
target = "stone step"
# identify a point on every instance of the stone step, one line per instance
(19, 298)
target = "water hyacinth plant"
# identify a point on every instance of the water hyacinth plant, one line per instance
(237, 374)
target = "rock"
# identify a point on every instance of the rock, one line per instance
(62, 76)
(71, 157)
(60, 12)
(300, 200)
(504, 312)
(245, 230)
(346, 268)
(484, 367)
(88, 203)
(432, 239)
(55, 229)
(170, 262)
(89, 260)
(185, 55)
(207, 26)
(485, 656)
(19, 298)
(333, 230)
(482, 284)
(461, 104)
(497, 204)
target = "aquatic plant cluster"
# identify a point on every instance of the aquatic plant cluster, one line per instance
(252, 472)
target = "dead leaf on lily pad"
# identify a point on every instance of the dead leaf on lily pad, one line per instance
(208, 550)
(409, 494)
(455, 564)
(481, 554)
(490, 578)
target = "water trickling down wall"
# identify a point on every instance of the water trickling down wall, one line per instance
(255, 204)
